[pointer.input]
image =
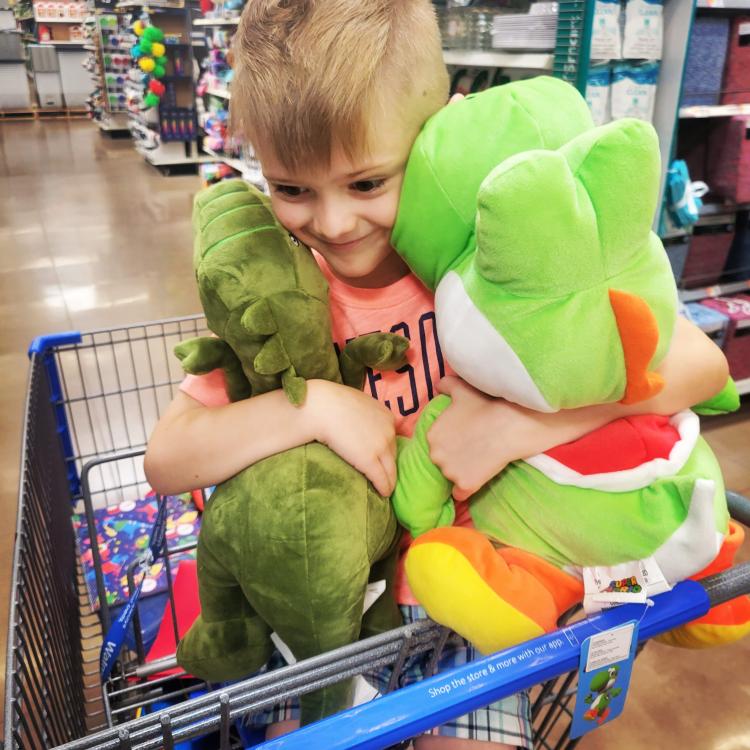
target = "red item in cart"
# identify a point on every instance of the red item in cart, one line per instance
(728, 172)
(736, 88)
(737, 341)
(187, 608)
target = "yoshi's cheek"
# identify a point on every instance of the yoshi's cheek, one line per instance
(477, 352)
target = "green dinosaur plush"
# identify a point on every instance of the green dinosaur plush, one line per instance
(290, 543)
(552, 292)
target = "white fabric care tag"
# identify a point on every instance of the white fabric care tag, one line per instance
(626, 583)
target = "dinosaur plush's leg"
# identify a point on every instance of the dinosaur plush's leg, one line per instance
(228, 640)
(725, 623)
(494, 598)
(384, 614)
(313, 539)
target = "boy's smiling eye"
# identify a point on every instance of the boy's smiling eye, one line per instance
(367, 186)
(289, 191)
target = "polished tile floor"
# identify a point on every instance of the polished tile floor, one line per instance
(92, 237)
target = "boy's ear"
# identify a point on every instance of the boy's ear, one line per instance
(230, 58)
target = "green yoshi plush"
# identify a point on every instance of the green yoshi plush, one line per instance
(290, 543)
(552, 291)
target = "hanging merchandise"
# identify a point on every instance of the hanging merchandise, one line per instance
(149, 54)
(634, 89)
(598, 93)
(643, 29)
(683, 196)
(606, 43)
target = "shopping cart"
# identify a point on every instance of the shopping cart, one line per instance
(92, 401)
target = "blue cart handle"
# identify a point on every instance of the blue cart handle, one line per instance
(415, 709)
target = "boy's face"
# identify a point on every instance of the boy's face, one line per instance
(346, 211)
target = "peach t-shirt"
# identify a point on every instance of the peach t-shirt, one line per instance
(405, 307)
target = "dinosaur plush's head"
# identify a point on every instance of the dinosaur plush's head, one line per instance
(560, 295)
(261, 290)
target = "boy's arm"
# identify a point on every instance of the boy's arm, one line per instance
(196, 446)
(475, 438)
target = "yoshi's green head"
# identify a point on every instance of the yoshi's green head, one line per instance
(534, 229)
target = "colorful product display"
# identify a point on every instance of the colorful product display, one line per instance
(109, 65)
(149, 53)
(177, 123)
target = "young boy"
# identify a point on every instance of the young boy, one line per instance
(332, 93)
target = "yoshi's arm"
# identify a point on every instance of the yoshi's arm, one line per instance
(422, 498)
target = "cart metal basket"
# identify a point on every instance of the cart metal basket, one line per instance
(92, 402)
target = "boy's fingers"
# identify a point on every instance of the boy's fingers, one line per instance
(389, 468)
(447, 384)
(461, 495)
(377, 474)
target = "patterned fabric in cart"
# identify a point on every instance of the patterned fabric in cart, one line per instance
(123, 532)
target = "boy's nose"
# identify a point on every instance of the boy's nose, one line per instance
(335, 223)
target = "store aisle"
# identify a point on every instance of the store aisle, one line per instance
(90, 236)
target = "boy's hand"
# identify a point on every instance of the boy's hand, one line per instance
(470, 440)
(356, 427)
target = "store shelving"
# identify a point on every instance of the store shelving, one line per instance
(111, 63)
(38, 19)
(220, 91)
(216, 21)
(715, 209)
(743, 386)
(161, 158)
(725, 4)
(230, 161)
(717, 290)
(157, 6)
(64, 43)
(719, 110)
(498, 59)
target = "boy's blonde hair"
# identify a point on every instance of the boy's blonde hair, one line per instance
(311, 74)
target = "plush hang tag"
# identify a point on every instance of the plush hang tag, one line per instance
(604, 677)
(626, 583)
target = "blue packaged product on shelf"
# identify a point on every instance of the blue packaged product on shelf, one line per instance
(634, 89)
(598, 93)
(643, 34)
(606, 38)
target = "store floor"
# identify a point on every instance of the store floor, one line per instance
(92, 237)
